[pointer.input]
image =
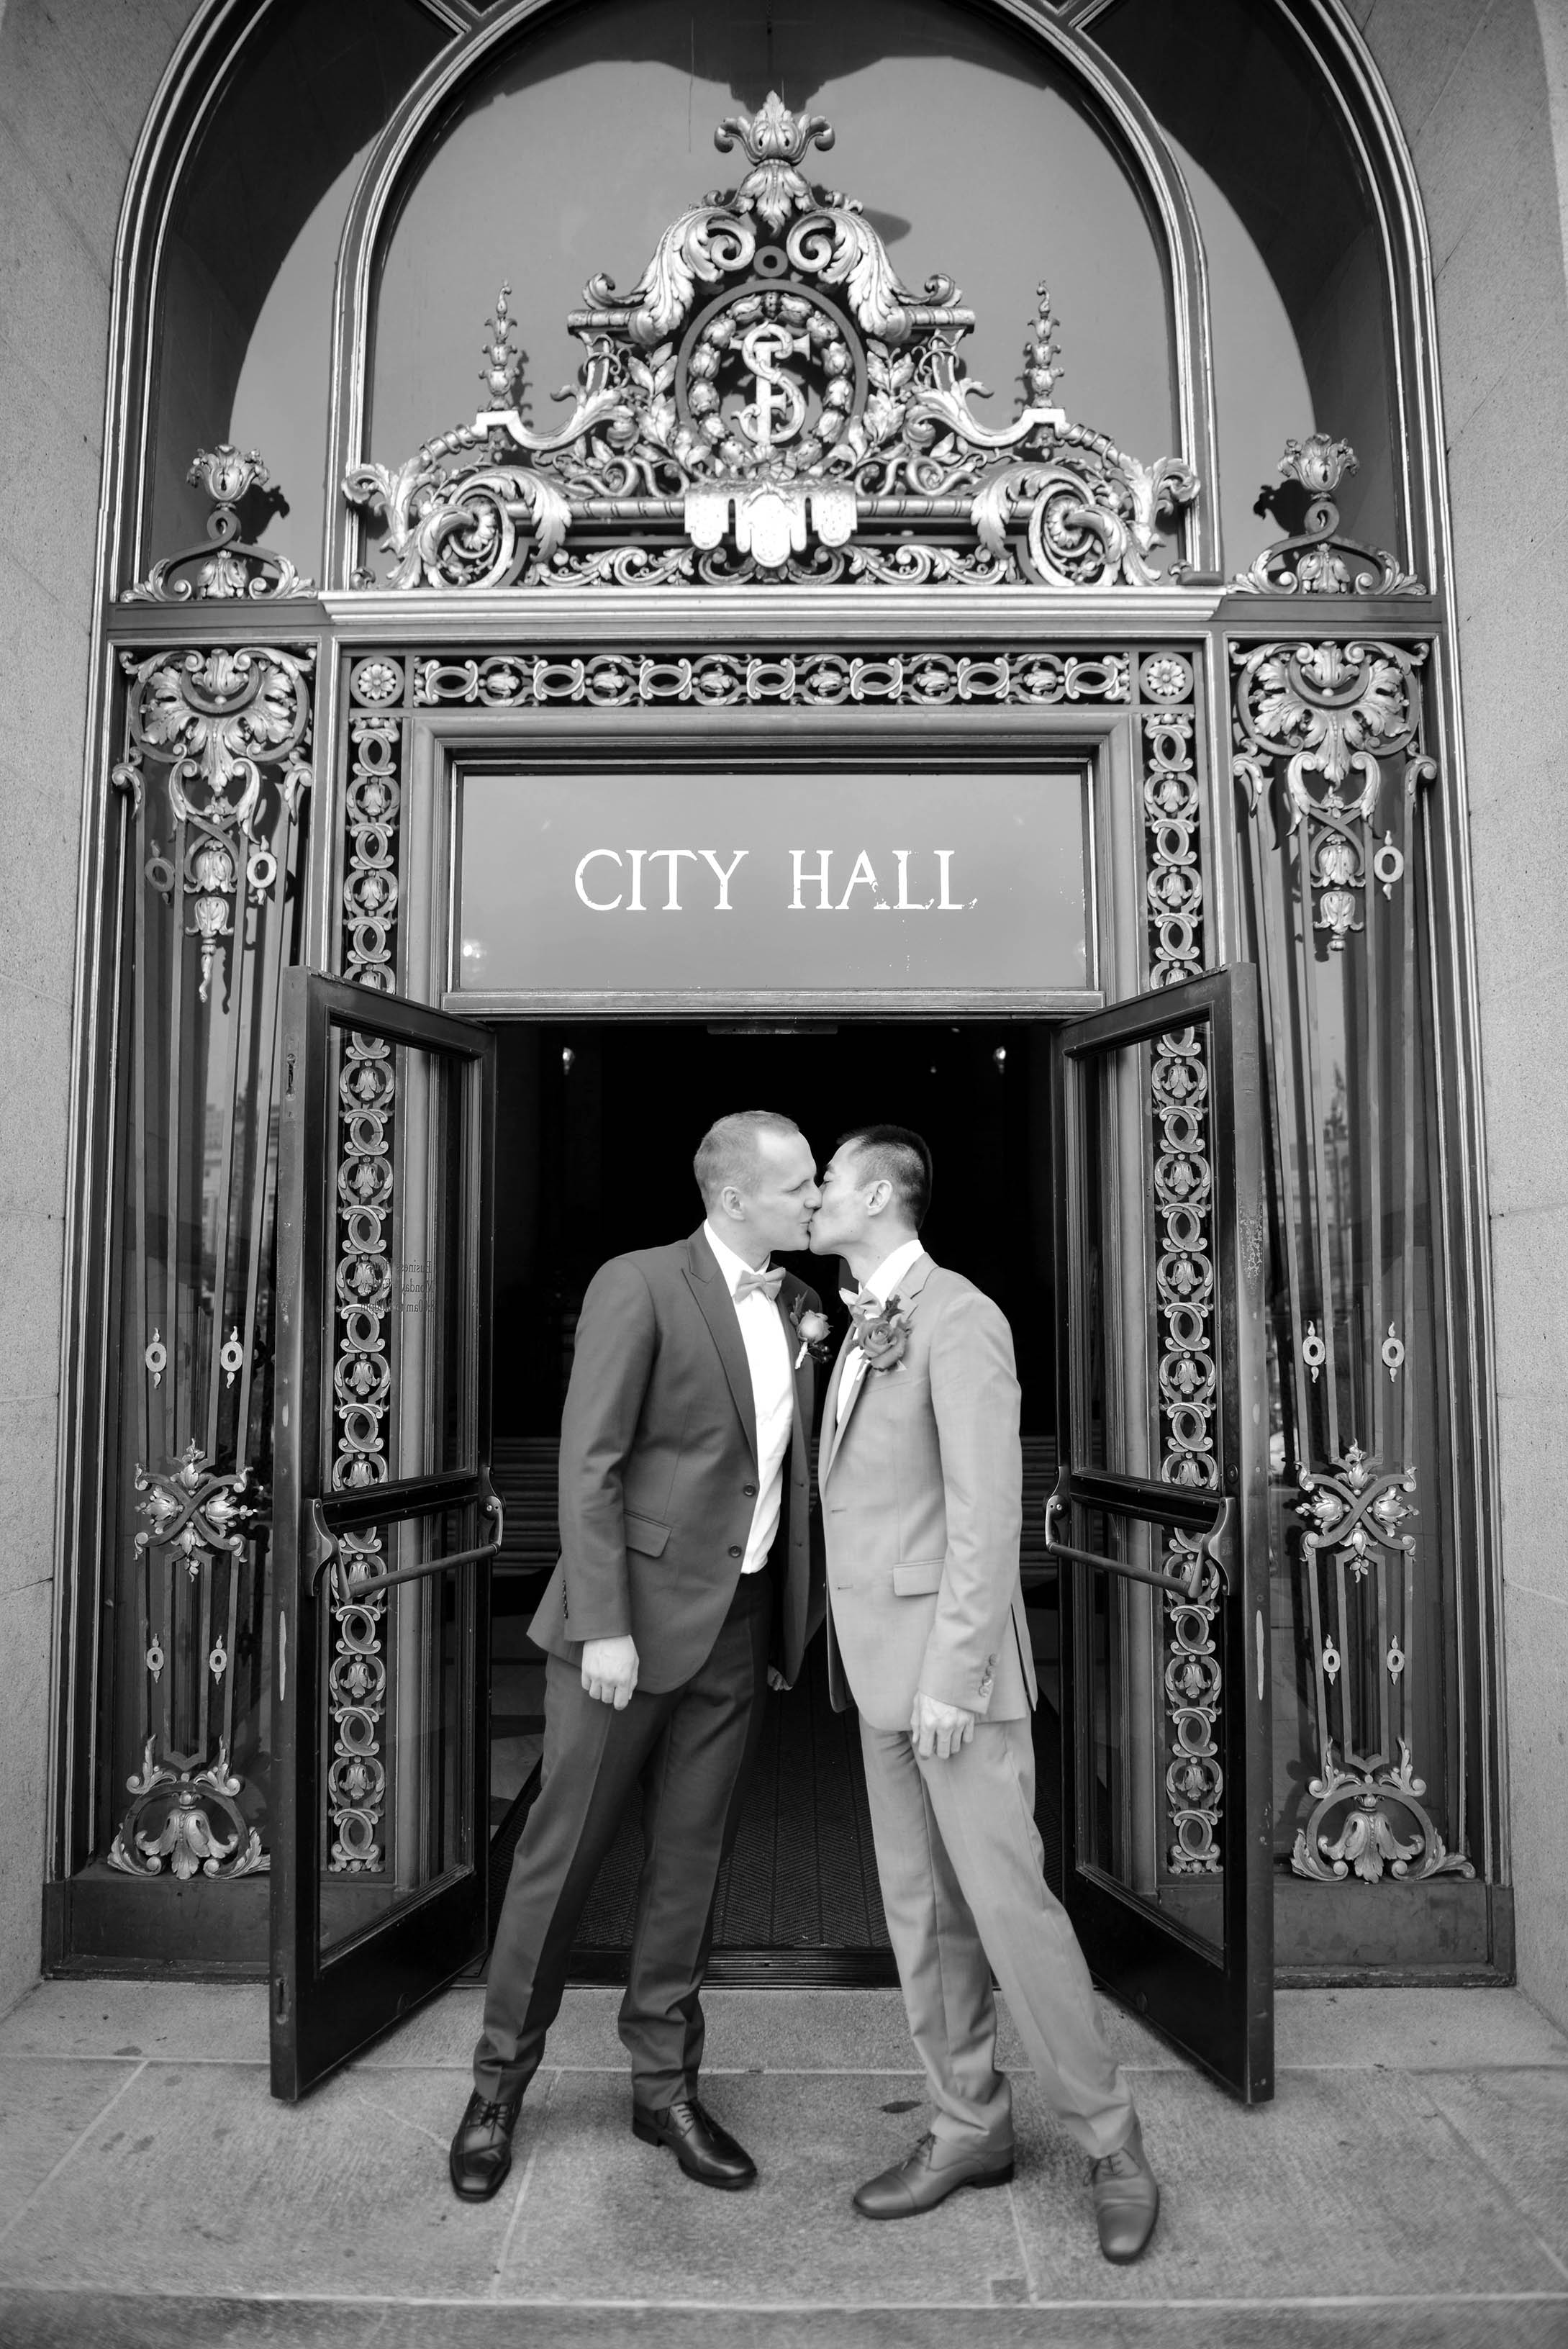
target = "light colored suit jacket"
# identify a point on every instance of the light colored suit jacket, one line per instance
(922, 1492)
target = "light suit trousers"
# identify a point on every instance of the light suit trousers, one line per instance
(963, 1885)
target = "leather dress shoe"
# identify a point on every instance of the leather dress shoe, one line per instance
(1126, 2201)
(933, 2171)
(481, 2150)
(704, 2151)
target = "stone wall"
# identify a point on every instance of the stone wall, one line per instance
(77, 77)
(1482, 92)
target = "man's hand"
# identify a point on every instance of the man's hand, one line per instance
(937, 1728)
(776, 1679)
(610, 1670)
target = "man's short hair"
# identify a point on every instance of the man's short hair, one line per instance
(729, 1151)
(897, 1155)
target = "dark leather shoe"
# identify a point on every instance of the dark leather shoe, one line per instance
(1126, 2201)
(705, 2151)
(934, 2170)
(481, 2150)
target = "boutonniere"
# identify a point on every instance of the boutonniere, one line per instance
(813, 1329)
(880, 1332)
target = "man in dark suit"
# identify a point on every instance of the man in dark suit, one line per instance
(683, 1588)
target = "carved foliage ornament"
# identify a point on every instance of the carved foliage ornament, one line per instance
(220, 721)
(1323, 717)
(1317, 559)
(769, 403)
(228, 566)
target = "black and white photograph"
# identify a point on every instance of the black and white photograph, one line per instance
(785, 1182)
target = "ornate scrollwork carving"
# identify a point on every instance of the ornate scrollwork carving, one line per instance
(769, 403)
(1194, 1776)
(201, 1520)
(1317, 558)
(181, 1834)
(193, 1511)
(221, 722)
(1327, 715)
(228, 567)
(1357, 1514)
(1187, 1374)
(361, 1380)
(724, 680)
(1187, 1378)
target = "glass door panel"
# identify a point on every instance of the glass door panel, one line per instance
(1158, 1521)
(384, 1517)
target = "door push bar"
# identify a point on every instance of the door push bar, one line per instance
(1212, 1549)
(327, 1552)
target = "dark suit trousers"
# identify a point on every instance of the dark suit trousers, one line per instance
(691, 1746)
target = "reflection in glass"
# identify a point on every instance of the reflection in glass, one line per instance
(401, 1402)
(1130, 1635)
(1146, 1367)
(399, 1700)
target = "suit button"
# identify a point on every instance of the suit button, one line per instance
(750, 1491)
(736, 1550)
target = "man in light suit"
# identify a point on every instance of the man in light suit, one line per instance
(921, 1477)
(683, 1588)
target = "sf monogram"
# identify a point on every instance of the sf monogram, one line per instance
(779, 409)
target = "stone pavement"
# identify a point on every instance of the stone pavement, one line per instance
(1408, 2186)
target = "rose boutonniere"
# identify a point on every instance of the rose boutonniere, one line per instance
(813, 1329)
(880, 1332)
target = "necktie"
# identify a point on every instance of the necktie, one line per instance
(769, 1283)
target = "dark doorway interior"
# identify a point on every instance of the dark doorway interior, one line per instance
(597, 1126)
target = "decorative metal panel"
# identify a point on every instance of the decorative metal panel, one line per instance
(1182, 1202)
(364, 1275)
(215, 777)
(1336, 780)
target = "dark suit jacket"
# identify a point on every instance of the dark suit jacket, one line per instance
(658, 1470)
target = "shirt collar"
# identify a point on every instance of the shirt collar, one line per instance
(729, 1263)
(892, 1269)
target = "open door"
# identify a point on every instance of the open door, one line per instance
(1158, 1521)
(384, 1518)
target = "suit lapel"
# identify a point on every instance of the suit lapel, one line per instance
(828, 1449)
(712, 1294)
(906, 1291)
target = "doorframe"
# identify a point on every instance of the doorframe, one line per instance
(760, 1966)
(443, 744)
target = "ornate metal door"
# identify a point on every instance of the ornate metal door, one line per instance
(1158, 1517)
(384, 1517)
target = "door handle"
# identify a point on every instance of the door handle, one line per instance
(1214, 1548)
(324, 1552)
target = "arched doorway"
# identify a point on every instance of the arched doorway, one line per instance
(1247, 797)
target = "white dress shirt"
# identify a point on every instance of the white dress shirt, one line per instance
(882, 1284)
(772, 1395)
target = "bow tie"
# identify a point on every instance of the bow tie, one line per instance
(857, 1297)
(769, 1283)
